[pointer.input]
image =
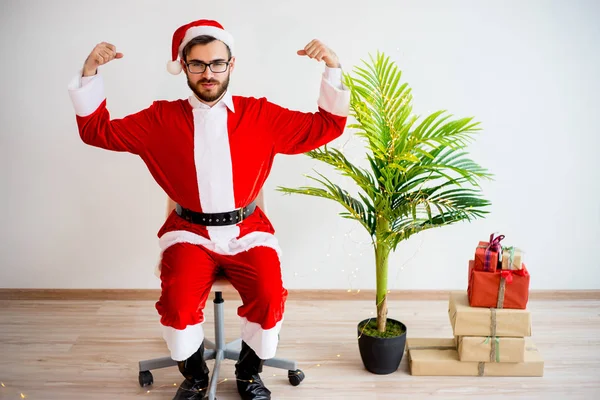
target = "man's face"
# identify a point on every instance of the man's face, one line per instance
(209, 86)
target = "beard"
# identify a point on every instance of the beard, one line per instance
(212, 94)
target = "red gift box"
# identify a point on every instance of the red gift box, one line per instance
(500, 289)
(487, 254)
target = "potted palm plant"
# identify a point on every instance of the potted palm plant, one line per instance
(419, 178)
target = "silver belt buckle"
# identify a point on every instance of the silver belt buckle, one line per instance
(239, 214)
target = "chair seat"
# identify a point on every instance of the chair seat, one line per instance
(221, 283)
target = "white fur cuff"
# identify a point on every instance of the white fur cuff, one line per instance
(86, 98)
(334, 97)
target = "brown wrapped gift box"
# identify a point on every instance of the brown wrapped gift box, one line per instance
(438, 357)
(490, 349)
(512, 258)
(478, 321)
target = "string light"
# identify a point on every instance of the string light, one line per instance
(351, 246)
(318, 365)
(21, 394)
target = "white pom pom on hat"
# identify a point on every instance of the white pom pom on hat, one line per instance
(187, 32)
(174, 67)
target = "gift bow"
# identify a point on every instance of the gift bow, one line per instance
(506, 276)
(511, 255)
(494, 244)
(495, 348)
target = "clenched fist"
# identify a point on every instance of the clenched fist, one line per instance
(102, 53)
(318, 51)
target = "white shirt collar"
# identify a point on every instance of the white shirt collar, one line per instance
(226, 100)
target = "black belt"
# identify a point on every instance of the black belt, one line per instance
(216, 219)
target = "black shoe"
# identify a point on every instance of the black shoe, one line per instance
(195, 371)
(192, 390)
(249, 384)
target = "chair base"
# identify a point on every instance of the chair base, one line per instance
(218, 351)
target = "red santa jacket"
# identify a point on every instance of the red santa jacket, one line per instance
(212, 159)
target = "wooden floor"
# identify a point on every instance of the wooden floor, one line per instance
(69, 349)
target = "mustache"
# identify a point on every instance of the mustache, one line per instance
(208, 81)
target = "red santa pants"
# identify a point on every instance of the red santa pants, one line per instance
(187, 274)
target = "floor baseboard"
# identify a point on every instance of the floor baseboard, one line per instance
(294, 294)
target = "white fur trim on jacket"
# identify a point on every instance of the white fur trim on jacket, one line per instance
(229, 247)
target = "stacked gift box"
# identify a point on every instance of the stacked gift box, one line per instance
(490, 322)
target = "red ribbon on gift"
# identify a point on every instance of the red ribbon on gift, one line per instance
(507, 274)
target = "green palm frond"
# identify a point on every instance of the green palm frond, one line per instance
(363, 178)
(362, 212)
(420, 175)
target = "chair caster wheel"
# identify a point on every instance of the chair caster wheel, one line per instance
(295, 377)
(145, 378)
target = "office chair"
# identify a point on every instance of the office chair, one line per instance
(219, 350)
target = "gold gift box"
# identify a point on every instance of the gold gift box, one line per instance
(439, 357)
(480, 321)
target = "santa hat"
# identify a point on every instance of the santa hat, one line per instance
(185, 33)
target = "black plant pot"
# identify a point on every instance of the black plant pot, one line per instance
(381, 355)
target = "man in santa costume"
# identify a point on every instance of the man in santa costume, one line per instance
(211, 153)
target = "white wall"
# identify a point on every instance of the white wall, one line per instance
(74, 216)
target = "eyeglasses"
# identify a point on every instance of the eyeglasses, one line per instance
(198, 67)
